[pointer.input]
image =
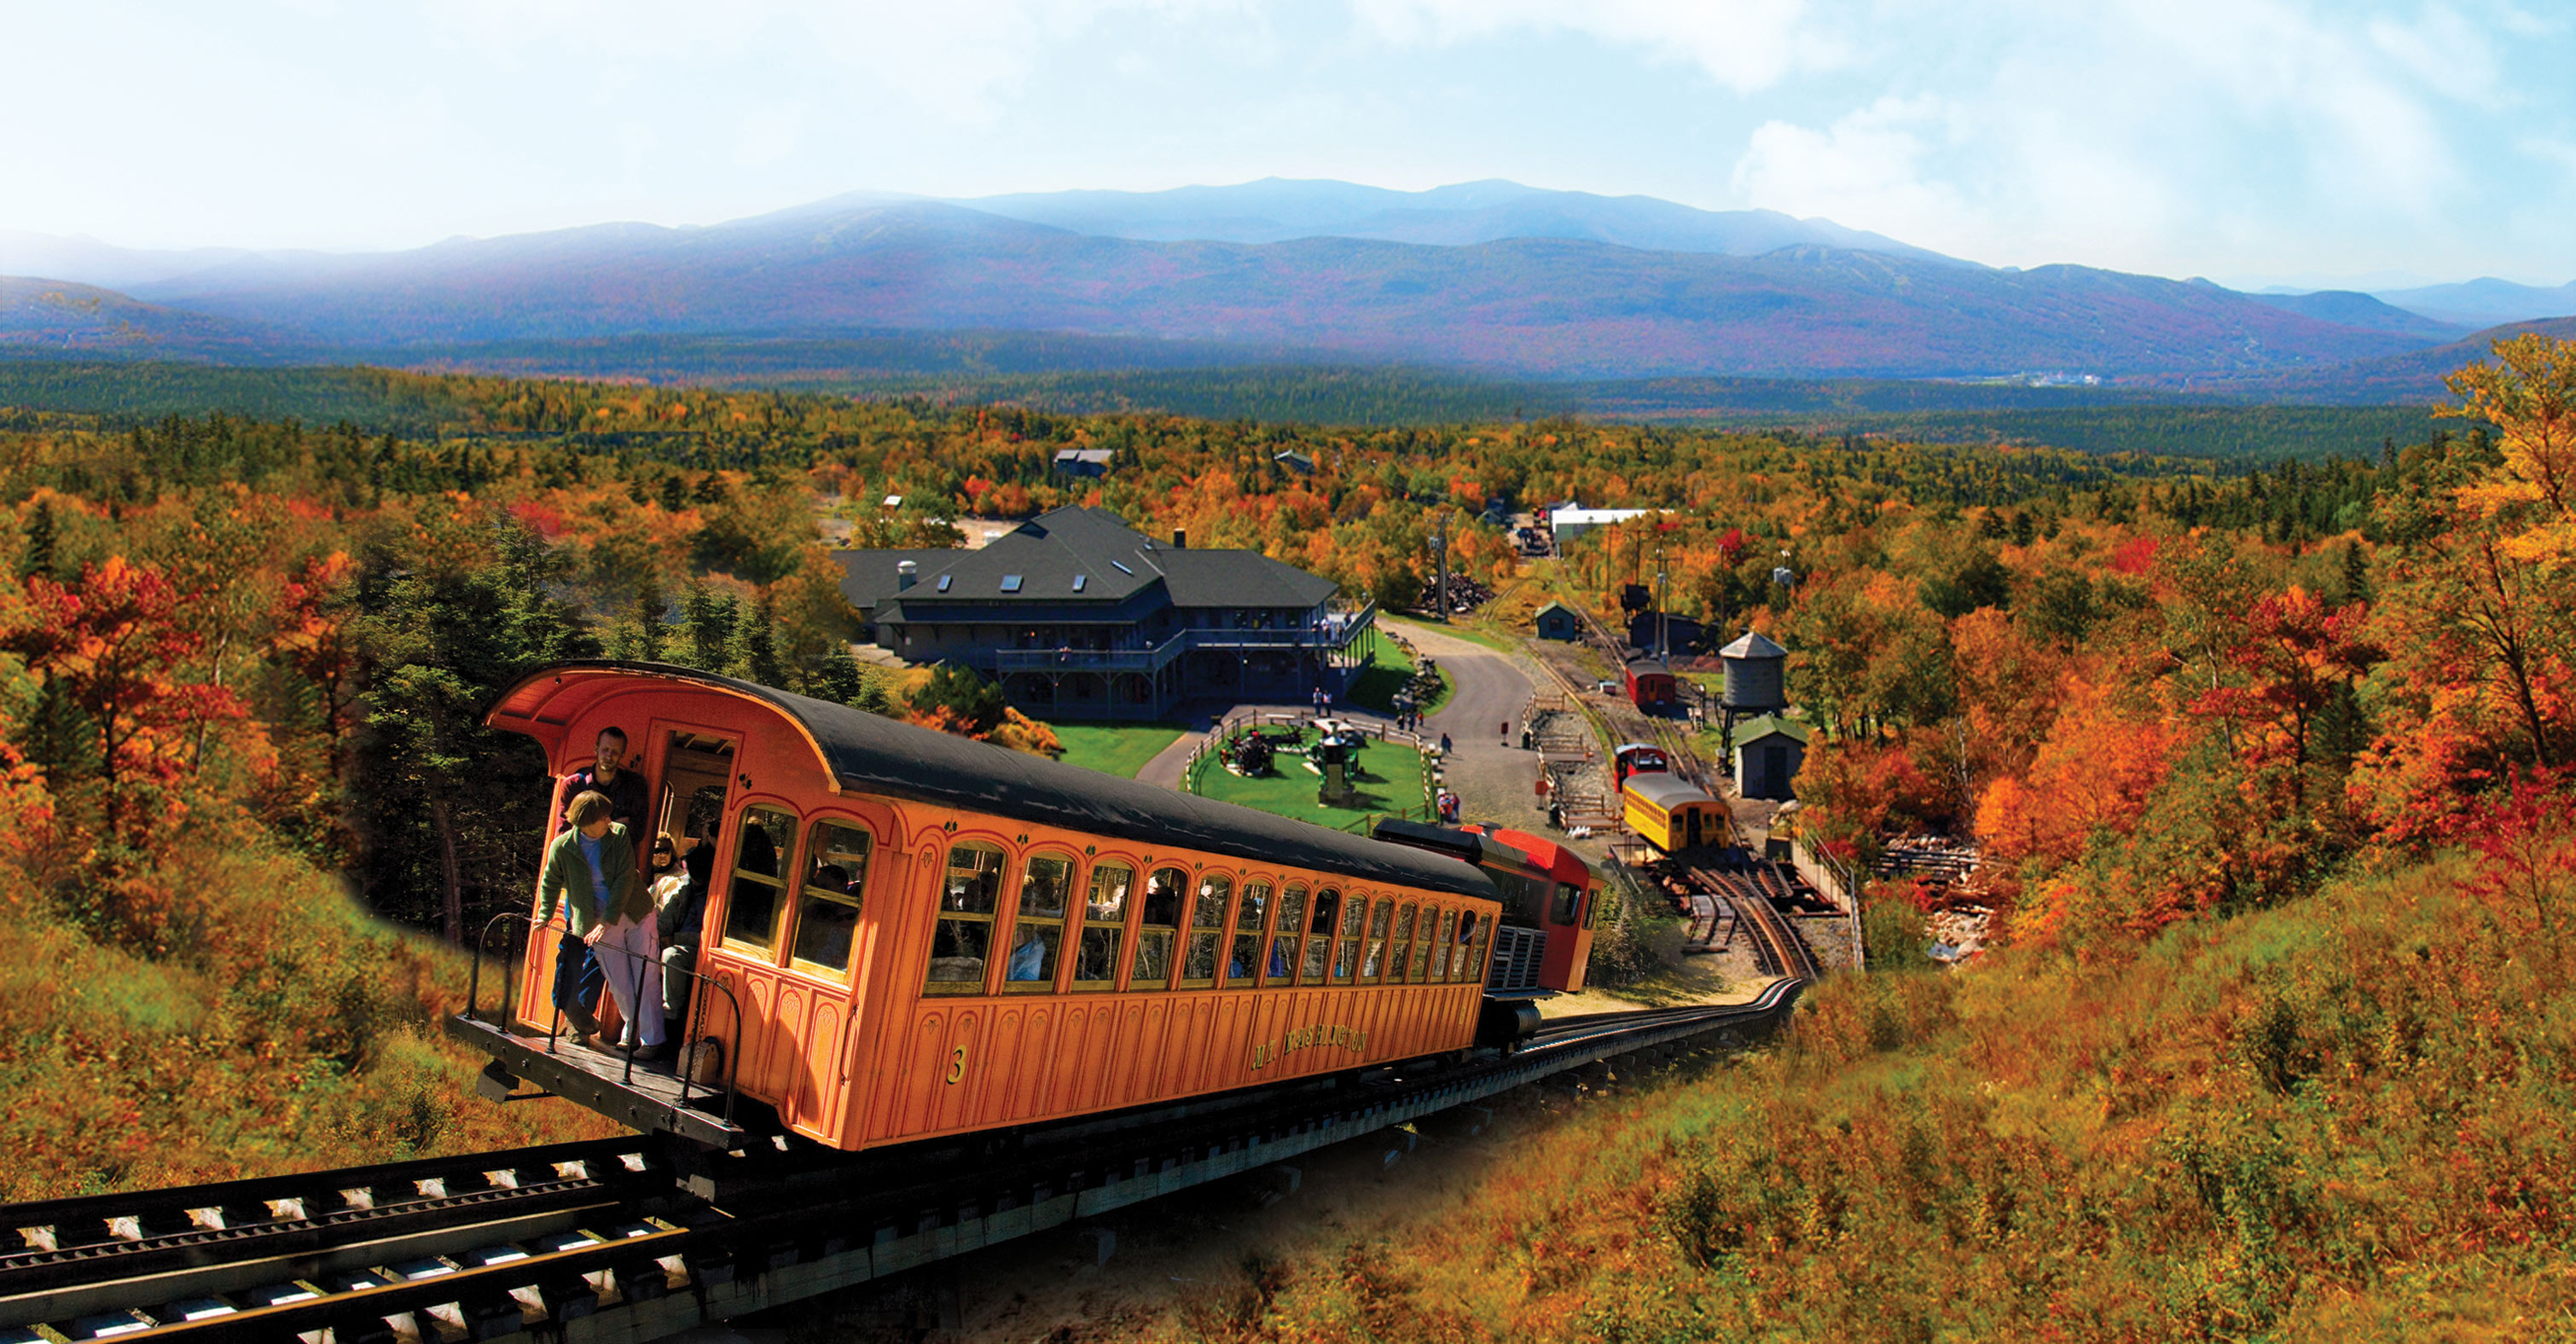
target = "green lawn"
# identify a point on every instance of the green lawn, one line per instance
(1390, 781)
(1117, 749)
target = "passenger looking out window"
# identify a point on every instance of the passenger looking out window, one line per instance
(1458, 950)
(1104, 923)
(962, 938)
(1046, 893)
(1157, 926)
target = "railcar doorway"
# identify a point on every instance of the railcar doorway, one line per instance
(696, 771)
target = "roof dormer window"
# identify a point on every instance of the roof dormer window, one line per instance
(1010, 583)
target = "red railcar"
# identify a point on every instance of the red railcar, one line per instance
(1637, 758)
(1651, 684)
(912, 934)
(1549, 902)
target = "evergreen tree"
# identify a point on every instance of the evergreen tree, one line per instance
(451, 809)
(751, 651)
(639, 637)
(837, 678)
(2356, 574)
(41, 541)
(706, 622)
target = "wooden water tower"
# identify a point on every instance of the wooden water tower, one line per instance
(1754, 680)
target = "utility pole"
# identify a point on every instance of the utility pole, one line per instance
(1663, 623)
(1440, 557)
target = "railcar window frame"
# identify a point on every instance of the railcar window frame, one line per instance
(1248, 945)
(1591, 907)
(1290, 905)
(1399, 944)
(1323, 922)
(1114, 931)
(1346, 937)
(852, 896)
(1143, 934)
(964, 916)
(1214, 887)
(1374, 942)
(1447, 930)
(767, 948)
(1053, 959)
(1458, 950)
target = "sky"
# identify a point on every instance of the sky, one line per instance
(2253, 141)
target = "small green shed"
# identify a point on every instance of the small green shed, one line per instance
(1768, 752)
(1558, 621)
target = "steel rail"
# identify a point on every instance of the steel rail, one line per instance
(874, 1214)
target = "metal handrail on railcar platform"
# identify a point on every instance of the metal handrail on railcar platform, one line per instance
(683, 1058)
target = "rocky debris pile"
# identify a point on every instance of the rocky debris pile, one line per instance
(1465, 595)
(1959, 933)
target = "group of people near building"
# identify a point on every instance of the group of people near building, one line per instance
(634, 932)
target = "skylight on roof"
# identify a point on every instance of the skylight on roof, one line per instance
(1079, 580)
(1010, 583)
(945, 580)
(1121, 567)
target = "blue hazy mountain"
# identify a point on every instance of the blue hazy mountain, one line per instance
(2486, 302)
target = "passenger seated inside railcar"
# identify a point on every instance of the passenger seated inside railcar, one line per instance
(1291, 931)
(1046, 888)
(1104, 921)
(1319, 941)
(963, 936)
(1158, 925)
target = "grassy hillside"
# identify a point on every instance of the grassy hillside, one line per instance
(2342, 1119)
(231, 1013)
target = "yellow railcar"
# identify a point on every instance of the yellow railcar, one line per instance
(1672, 813)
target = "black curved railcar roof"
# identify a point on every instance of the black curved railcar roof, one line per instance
(870, 753)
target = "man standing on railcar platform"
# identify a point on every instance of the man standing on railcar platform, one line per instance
(578, 979)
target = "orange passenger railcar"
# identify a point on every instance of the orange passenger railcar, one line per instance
(928, 935)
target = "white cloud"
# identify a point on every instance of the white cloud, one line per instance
(1746, 45)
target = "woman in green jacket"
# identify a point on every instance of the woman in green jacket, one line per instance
(590, 871)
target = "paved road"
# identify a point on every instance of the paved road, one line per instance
(1494, 779)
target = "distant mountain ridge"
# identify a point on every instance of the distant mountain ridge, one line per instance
(1525, 306)
(1494, 277)
(1281, 209)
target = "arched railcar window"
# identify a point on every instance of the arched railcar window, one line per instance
(1157, 927)
(1250, 918)
(764, 844)
(1037, 930)
(1207, 929)
(1438, 945)
(961, 939)
(1290, 936)
(1373, 966)
(1346, 949)
(1459, 950)
(1319, 941)
(1399, 944)
(1104, 924)
(827, 909)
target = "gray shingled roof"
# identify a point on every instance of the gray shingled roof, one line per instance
(1753, 645)
(1113, 560)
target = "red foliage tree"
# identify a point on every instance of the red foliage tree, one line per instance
(114, 643)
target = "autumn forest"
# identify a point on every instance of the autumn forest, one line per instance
(2271, 765)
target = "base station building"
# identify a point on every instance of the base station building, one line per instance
(1079, 616)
